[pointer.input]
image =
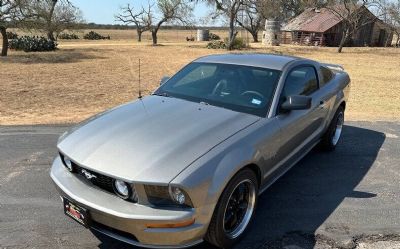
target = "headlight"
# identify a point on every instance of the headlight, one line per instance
(177, 195)
(167, 196)
(67, 162)
(122, 189)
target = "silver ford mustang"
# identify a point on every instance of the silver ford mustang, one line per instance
(187, 163)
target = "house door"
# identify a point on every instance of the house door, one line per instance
(382, 38)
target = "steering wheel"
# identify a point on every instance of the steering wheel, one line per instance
(221, 84)
(253, 94)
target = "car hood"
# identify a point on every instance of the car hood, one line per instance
(152, 139)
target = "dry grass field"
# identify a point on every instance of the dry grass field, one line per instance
(86, 77)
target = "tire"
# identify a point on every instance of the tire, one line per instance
(225, 234)
(332, 136)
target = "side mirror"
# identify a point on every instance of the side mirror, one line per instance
(297, 102)
(164, 79)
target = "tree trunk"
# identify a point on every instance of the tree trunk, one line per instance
(343, 40)
(50, 33)
(50, 36)
(154, 36)
(139, 35)
(4, 50)
(254, 33)
(232, 34)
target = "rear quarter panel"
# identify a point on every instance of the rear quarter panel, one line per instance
(338, 89)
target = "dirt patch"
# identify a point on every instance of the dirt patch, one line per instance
(83, 78)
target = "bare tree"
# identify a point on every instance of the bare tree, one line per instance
(273, 9)
(296, 7)
(6, 15)
(229, 9)
(354, 15)
(55, 16)
(128, 16)
(393, 18)
(11, 12)
(252, 18)
(169, 11)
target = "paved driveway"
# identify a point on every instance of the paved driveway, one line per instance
(349, 198)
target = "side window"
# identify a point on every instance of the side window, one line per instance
(300, 81)
(327, 75)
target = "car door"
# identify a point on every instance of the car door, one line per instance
(300, 128)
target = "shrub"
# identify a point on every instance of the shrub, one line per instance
(238, 43)
(11, 35)
(95, 36)
(216, 45)
(33, 44)
(65, 36)
(213, 37)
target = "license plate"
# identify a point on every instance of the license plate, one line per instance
(79, 214)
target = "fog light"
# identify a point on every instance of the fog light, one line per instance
(122, 189)
(177, 195)
(68, 163)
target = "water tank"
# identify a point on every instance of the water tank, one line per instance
(272, 33)
(203, 34)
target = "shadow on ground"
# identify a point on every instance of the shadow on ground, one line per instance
(58, 56)
(298, 203)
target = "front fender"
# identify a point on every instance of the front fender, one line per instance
(206, 178)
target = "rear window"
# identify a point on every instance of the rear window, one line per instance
(327, 75)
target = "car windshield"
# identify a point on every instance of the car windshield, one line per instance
(236, 87)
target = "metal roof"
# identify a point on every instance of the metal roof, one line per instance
(271, 61)
(313, 20)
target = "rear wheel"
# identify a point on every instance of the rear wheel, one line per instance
(234, 210)
(334, 132)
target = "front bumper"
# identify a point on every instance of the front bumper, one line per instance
(124, 220)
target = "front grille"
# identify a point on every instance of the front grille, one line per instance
(101, 181)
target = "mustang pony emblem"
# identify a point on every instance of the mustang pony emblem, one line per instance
(88, 175)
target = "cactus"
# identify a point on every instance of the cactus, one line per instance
(11, 35)
(65, 36)
(33, 44)
(95, 36)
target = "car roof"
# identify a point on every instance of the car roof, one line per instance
(271, 61)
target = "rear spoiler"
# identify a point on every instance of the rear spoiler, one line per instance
(333, 66)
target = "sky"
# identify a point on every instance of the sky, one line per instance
(103, 11)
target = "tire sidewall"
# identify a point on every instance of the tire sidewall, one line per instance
(332, 130)
(222, 239)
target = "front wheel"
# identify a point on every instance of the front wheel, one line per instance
(234, 210)
(334, 132)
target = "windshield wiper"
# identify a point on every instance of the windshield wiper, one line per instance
(164, 94)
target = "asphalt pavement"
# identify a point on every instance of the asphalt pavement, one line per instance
(349, 198)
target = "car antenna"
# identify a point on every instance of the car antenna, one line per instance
(140, 90)
(132, 74)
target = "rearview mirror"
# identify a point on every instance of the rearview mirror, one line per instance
(164, 79)
(297, 102)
